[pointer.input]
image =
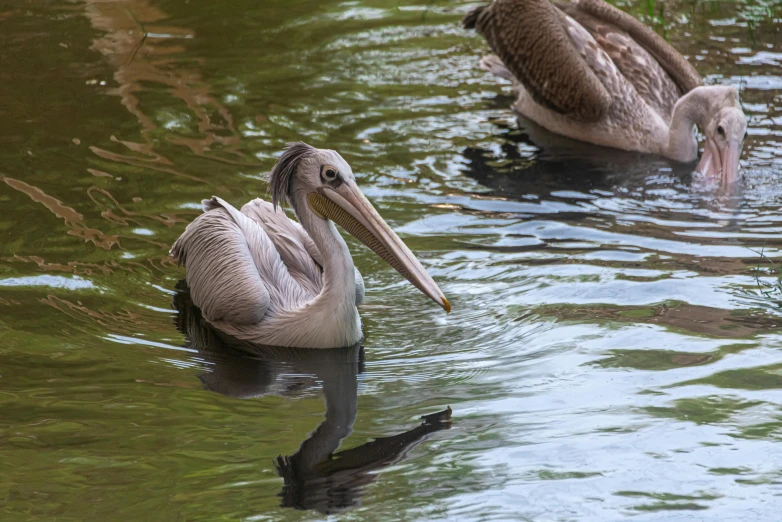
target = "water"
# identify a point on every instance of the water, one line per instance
(613, 350)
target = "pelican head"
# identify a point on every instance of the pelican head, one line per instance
(725, 132)
(320, 183)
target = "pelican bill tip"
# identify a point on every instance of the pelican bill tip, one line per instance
(446, 305)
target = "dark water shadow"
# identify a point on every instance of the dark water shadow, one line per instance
(314, 477)
(534, 161)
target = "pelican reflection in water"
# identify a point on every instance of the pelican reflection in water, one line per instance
(532, 160)
(261, 277)
(315, 477)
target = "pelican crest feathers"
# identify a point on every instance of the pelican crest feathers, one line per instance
(282, 174)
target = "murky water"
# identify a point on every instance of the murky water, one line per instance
(614, 349)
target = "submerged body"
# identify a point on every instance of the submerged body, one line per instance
(590, 72)
(261, 277)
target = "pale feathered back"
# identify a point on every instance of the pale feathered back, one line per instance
(226, 252)
(224, 286)
(251, 269)
(260, 277)
(296, 248)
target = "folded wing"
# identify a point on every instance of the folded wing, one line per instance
(234, 270)
(532, 40)
(659, 74)
(294, 245)
(244, 265)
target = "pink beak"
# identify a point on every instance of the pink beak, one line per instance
(722, 164)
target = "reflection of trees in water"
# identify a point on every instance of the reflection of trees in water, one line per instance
(693, 319)
(94, 315)
(143, 52)
(315, 477)
(76, 222)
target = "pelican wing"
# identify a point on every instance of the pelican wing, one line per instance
(221, 274)
(531, 38)
(234, 270)
(659, 74)
(681, 72)
(295, 246)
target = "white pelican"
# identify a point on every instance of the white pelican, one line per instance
(260, 277)
(591, 72)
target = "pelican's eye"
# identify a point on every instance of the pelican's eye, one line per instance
(720, 130)
(328, 173)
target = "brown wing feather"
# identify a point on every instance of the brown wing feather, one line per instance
(531, 40)
(652, 83)
(683, 74)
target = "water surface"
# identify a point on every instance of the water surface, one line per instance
(613, 351)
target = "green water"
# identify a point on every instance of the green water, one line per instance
(613, 351)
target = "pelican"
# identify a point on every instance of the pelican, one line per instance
(261, 277)
(588, 71)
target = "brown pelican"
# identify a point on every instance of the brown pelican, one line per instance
(591, 72)
(261, 277)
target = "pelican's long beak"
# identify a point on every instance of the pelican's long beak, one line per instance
(349, 208)
(719, 163)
